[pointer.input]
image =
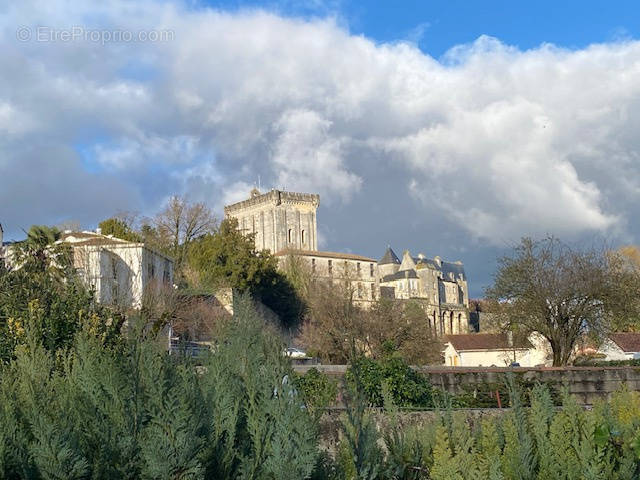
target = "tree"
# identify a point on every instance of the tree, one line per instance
(335, 326)
(119, 229)
(402, 327)
(43, 292)
(561, 292)
(179, 224)
(228, 258)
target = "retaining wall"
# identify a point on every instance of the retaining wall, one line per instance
(587, 384)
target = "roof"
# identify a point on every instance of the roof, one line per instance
(628, 342)
(316, 253)
(93, 239)
(486, 341)
(402, 274)
(389, 257)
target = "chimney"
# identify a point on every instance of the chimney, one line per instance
(99, 231)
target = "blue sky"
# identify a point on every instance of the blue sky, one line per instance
(437, 25)
(445, 128)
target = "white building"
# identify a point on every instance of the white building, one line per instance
(621, 346)
(120, 271)
(492, 349)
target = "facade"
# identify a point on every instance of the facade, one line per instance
(358, 272)
(279, 220)
(489, 349)
(441, 287)
(621, 346)
(121, 272)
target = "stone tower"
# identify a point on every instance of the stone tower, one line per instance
(280, 220)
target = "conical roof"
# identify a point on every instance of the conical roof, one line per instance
(389, 257)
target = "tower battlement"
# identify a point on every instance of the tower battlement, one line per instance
(273, 197)
(278, 219)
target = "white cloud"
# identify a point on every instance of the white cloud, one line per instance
(500, 141)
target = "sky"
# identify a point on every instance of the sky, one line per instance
(446, 128)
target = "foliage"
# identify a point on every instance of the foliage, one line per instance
(407, 387)
(228, 258)
(335, 324)
(119, 229)
(176, 227)
(563, 293)
(132, 411)
(42, 292)
(317, 390)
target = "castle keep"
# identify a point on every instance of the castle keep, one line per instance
(285, 224)
(280, 220)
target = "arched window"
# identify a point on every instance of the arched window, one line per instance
(290, 237)
(304, 240)
(451, 322)
(459, 323)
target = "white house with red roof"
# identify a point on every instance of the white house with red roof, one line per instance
(621, 346)
(493, 349)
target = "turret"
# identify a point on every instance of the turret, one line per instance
(389, 263)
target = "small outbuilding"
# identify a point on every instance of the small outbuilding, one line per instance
(491, 349)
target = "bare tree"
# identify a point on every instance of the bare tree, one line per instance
(179, 224)
(562, 293)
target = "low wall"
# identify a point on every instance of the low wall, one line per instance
(587, 384)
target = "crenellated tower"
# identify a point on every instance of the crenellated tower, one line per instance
(280, 220)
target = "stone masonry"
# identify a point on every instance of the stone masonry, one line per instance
(280, 220)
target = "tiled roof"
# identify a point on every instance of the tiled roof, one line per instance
(486, 341)
(316, 253)
(628, 342)
(389, 257)
(400, 275)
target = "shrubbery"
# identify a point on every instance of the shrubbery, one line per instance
(407, 387)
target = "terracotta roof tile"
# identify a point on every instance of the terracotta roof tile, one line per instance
(628, 342)
(486, 341)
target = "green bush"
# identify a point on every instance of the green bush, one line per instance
(407, 387)
(317, 390)
(133, 411)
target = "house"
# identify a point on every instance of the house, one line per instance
(120, 271)
(621, 346)
(492, 349)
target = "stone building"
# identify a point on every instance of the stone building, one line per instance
(280, 220)
(285, 224)
(358, 273)
(440, 286)
(121, 272)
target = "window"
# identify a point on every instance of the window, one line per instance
(358, 268)
(302, 237)
(290, 236)
(330, 267)
(373, 291)
(371, 269)
(313, 265)
(360, 292)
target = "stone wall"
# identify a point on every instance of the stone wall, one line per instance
(587, 384)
